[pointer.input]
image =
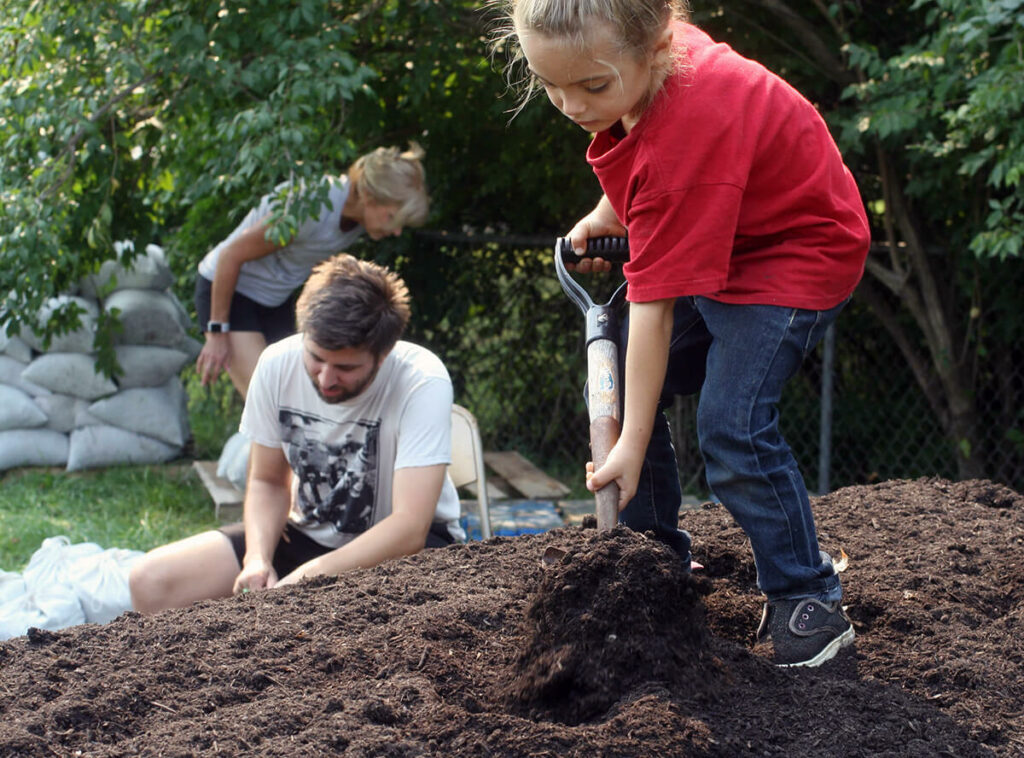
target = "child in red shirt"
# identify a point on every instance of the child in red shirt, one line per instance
(747, 236)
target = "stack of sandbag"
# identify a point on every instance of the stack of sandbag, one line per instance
(56, 409)
(64, 585)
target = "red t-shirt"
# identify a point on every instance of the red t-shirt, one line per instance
(731, 186)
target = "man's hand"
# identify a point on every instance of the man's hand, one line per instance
(255, 575)
(308, 569)
(213, 358)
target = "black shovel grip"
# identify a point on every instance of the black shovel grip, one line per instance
(613, 249)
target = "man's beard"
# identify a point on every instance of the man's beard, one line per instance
(348, 394)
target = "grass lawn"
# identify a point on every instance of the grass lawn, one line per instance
(132, 507)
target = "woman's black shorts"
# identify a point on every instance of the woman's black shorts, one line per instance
(274, 323)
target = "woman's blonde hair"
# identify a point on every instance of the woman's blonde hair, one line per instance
(389, 175)
(639, 23)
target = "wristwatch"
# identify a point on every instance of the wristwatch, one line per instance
(218, 327)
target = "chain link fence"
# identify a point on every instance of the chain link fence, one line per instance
(513, 343)
(882, 425)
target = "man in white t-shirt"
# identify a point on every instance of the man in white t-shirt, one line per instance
(351, 438)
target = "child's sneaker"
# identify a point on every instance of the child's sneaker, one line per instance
(804, 632)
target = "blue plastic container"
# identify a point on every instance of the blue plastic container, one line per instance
(510, 518)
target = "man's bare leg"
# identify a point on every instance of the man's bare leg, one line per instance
(200, 567)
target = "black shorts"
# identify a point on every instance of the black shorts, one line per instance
(295, 548)
(274, 323)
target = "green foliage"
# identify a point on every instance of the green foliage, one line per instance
(120, 116)
(214, 413)
(952, 101)
(156, 122)
(486, 171)
(164, 122)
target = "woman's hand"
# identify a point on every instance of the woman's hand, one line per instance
(213, 358)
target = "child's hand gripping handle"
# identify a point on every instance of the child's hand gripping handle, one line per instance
(613, 249)
(603, 398)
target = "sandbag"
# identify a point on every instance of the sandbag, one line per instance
(83, 417)
(148, 271)
(54, 607)
(148, 365)
(157, 412)
(94, 446)
(17, 411)
(32, 447)
(14, 347)
(233, 463)
(69, 374)
(51, 563)
(11, 372)
(79, 340)
(12, 585)
(66, 584)
(148, 317)
(60, 411)
(101, 583)
(191, 347)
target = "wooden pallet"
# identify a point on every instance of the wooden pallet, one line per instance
(495, 491)
(523, 477)
(227, 499)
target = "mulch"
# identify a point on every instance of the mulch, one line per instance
(489, 650)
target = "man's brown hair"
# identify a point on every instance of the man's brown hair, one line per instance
(349, 303)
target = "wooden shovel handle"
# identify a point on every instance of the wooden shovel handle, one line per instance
(603, 400)
(604, 433)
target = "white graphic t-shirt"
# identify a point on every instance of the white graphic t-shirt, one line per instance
(344, 455)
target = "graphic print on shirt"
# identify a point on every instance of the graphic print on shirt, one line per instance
(336, 466)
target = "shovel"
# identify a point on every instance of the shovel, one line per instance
(602, 336)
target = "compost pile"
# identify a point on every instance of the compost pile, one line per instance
(609, 650)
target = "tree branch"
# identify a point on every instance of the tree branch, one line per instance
(919, 365)
(820, 50)
(70, 148)
(894, 280)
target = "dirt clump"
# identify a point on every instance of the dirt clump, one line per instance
(612, 614)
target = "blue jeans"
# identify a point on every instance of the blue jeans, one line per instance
(739, 357)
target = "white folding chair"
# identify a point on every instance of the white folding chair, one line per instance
(467, 466)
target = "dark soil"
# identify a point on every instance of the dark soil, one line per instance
(486, 650)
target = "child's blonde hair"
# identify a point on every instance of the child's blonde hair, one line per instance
(638, 23)
(397, 178)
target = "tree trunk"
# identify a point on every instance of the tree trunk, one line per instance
(912, 275)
